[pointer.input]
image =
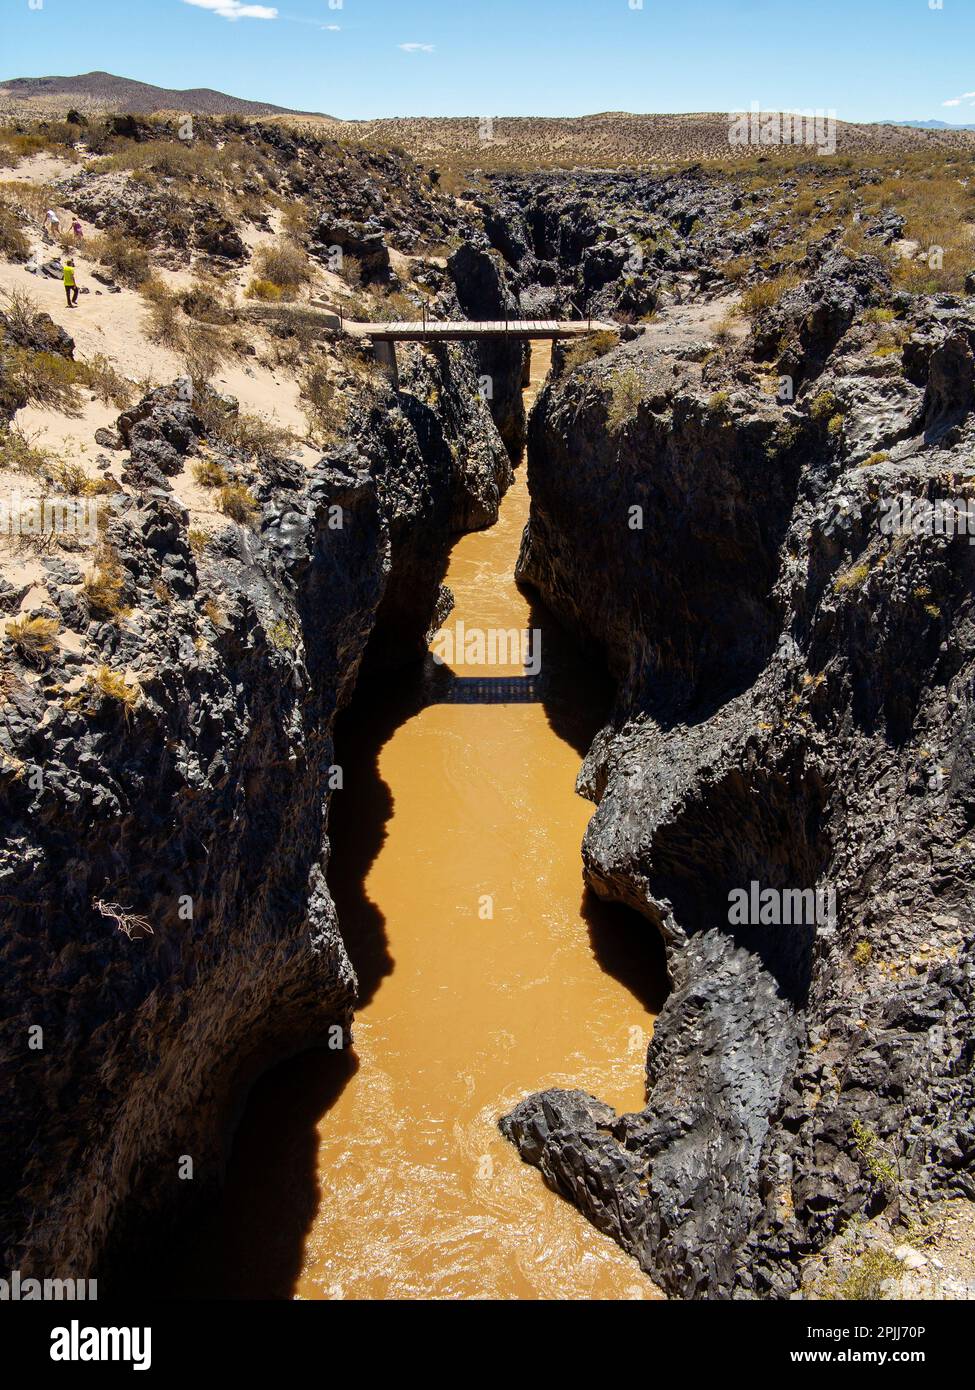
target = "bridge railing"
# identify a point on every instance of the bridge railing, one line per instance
(574, 305)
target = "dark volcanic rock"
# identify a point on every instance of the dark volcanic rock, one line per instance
(796, 706)
(811, 319)
(363, 241)
(39, 334)
(484, 294)
(168, 923)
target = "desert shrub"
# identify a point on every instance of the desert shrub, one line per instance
(125, 258)
(31, 197)
(351, 271)
(112, 685)
(281, 637)
(851, 578)
(265, 290)
(205, 301)
(13, 240)
(198, 540)
(45, 378)
(203, 352)
(104, 586)
(255, 437)
(201, 344)
(736, 269)
(392, 306)
(129, 923)
(869, 1279)
(765, 295)
(823, 406)
(579, 351)
(237, 502)
(870, 1149)
(186, 160)
(626, 392)
(208, 473)
(18, 455)
(24, 144)
(724, 331)
(164, 320)
(295, 221)
(35, 639)
(248, 435)
(284, 264)
(20, 309)
(322, 403)
(106, 383)
(938, 208)
(71, 479)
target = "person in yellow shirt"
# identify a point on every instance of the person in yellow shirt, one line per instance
(70, 284)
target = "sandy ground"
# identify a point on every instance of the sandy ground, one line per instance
(114, 325)
(39, 169)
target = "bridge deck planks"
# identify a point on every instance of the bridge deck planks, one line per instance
(458, 330)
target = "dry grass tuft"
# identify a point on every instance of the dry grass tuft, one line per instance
(35, 639)
(238, 502)
(104, 586)
(112, 685)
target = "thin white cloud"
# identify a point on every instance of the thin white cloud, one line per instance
(333, 28)
(957, 101)
(416, 47)
(234, 9)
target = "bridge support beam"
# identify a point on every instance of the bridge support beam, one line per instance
(384, 352)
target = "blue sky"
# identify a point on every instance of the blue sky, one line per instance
(868, 59)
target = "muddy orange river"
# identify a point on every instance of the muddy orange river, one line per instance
(485, 973)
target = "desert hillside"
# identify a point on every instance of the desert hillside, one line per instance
(617, 139)
(94, 92)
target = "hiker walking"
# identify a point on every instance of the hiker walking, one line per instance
(52, 224)
(70, 285)
(78, 230)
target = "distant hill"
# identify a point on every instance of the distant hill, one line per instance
(929, 125)
(102, 91)
(615, 139)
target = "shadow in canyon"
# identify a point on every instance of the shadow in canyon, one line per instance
(252, 1243)
(627, 947)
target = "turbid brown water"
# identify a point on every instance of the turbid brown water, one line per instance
(485, 973)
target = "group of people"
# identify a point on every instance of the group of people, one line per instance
(52, 226)
(52, 229)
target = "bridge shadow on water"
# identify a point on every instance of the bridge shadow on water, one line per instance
(253, 1244)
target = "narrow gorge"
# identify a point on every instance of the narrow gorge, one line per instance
(361, 974)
